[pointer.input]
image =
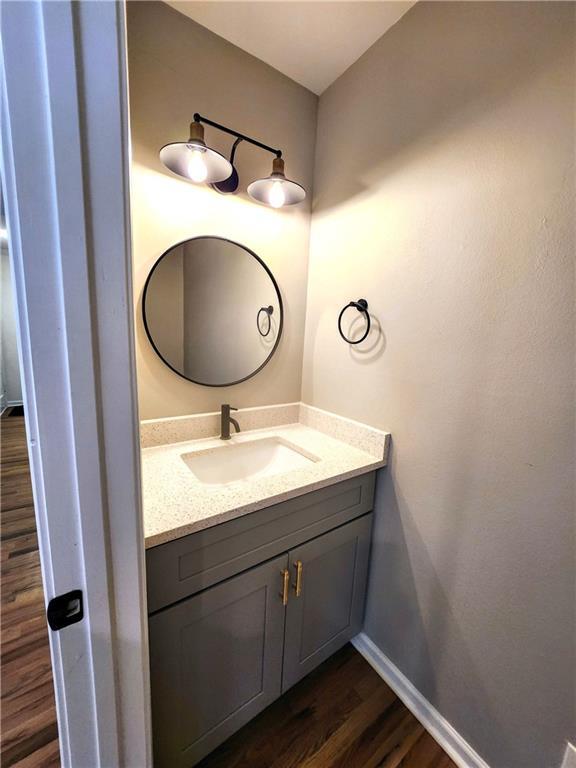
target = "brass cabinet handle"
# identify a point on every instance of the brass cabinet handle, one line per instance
(298, 585)
(285, 586)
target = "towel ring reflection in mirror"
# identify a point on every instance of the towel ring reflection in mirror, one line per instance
(268, 311)
(362, 306)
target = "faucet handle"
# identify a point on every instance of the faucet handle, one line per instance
(232, 408)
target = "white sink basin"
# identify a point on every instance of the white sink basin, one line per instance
(238, 461)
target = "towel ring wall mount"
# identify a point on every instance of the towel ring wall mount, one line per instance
(362, 306)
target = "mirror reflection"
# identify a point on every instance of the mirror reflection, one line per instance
(212, 311)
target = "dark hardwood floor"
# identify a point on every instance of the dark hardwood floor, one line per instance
(343, 715)
(28, 728)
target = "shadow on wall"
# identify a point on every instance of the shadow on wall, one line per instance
(373, 346)
(426, 101)
(422, 629)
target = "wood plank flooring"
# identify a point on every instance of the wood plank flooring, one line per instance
(28, 728)
(343, 715)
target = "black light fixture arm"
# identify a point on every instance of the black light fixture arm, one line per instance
(233, 150)
(239, 136)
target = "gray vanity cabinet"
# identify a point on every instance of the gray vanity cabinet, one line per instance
(216, 661)
(330, 607)
(242, 611)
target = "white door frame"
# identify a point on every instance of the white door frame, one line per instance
(65, 161)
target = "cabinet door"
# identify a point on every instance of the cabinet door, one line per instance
(330, 608)
(216, 661)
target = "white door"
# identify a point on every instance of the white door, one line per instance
(65, 173)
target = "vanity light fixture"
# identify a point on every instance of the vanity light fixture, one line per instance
(195, 161)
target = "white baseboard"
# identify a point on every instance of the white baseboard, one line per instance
(436, 725)
(569, 757)
(5, 404)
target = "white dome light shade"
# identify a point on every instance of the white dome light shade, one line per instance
(276, 190)
(194, 160)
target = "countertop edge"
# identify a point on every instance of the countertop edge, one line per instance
(165, 537)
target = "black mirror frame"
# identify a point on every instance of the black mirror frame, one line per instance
(274, 283)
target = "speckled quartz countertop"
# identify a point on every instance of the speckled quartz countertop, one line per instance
(176, 503)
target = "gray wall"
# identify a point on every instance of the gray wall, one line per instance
(10, 386)
(444, 194)
(176, 68)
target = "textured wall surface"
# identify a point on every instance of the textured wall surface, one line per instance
(176, 68)
(444, 194)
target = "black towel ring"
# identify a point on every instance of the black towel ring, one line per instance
(268, 311)
(362, 306)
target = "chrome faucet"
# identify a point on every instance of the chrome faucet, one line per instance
(226, 420)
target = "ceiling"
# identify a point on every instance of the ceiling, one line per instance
(311, 42)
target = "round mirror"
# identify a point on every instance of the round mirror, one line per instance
(212, 311)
